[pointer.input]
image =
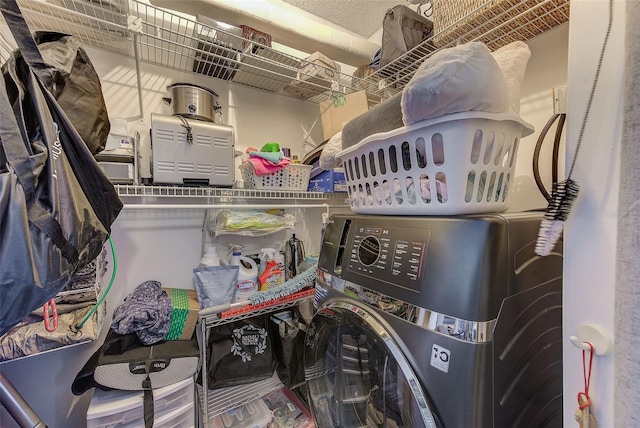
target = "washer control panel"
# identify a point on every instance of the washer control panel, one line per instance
(393, 254)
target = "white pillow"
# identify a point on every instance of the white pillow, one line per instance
(328, 156)
(457, 79)
(512, 60)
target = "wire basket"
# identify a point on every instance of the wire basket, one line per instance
(291, 177)
(460, 163)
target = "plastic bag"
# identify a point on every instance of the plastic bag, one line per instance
(250, 223)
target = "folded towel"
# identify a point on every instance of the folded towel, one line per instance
(146, 312)
(384, 117)
(262, 166)
(274, 157)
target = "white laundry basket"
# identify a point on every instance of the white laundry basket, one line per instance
(461, 163)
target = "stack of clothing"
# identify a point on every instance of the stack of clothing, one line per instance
(267, 162)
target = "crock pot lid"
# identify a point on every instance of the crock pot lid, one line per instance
(192, 86)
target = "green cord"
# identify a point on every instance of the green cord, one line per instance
(106, 291)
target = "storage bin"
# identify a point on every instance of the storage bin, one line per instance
(327, 181)
(125, 408)
(291, 177)
(318, 65)
(254, 414)
(461, 163)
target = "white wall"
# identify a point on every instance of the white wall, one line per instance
(590, 243)
(546, 69)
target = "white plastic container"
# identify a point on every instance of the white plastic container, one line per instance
(254, 414)
(460, 163)
(119, 409)
(210, 257)
(247, 276)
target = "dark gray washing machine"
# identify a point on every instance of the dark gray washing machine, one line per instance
(436, 322)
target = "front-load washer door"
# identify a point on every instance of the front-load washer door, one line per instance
(357, 375)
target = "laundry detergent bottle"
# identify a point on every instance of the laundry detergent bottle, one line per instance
(247, 283)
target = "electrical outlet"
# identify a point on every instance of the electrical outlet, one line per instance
(560, 100)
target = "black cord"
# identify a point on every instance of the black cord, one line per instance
(536, 157)
(556, 149)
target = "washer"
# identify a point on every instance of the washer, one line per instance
(436, 322)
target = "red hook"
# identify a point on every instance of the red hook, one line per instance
(50, 324)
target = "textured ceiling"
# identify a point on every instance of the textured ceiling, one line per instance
(363, 17)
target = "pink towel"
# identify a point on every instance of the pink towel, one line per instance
(262, 166)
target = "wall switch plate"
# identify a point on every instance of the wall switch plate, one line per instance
(560, 100)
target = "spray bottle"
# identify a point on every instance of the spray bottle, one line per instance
(271, 277)
(267, 254)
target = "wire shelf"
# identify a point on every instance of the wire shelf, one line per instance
(211, 321)
(493, 22)
(224, 399)
(130, 190)
(181, 42)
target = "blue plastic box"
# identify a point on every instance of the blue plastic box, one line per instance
(327, 181)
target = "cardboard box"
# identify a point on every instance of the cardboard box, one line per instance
(327, 181)
(335, 112)
(184, 315)
(319, 66)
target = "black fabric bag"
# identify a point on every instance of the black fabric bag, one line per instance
(288, 335)
(56, 205)
(239, 352)
(402, 30)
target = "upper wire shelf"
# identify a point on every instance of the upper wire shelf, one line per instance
(180, 42)
(131, 190)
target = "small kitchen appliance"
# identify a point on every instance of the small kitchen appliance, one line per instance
(191, 152)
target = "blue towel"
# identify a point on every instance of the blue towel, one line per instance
(274, 157)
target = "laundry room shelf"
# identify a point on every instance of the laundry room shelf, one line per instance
(179, 197)
(214, 402)
(178, 41)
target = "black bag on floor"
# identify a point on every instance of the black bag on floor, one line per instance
(288, 332)
(239, 352)
(56, 205)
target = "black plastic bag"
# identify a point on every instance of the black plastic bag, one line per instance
(76, 86)
(240, 352)
(56, 205)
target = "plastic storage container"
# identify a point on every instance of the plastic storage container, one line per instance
(120, 409)
(460, 163)
(254, 414)
(291, 177)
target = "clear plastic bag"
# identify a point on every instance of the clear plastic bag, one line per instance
(249, 223)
